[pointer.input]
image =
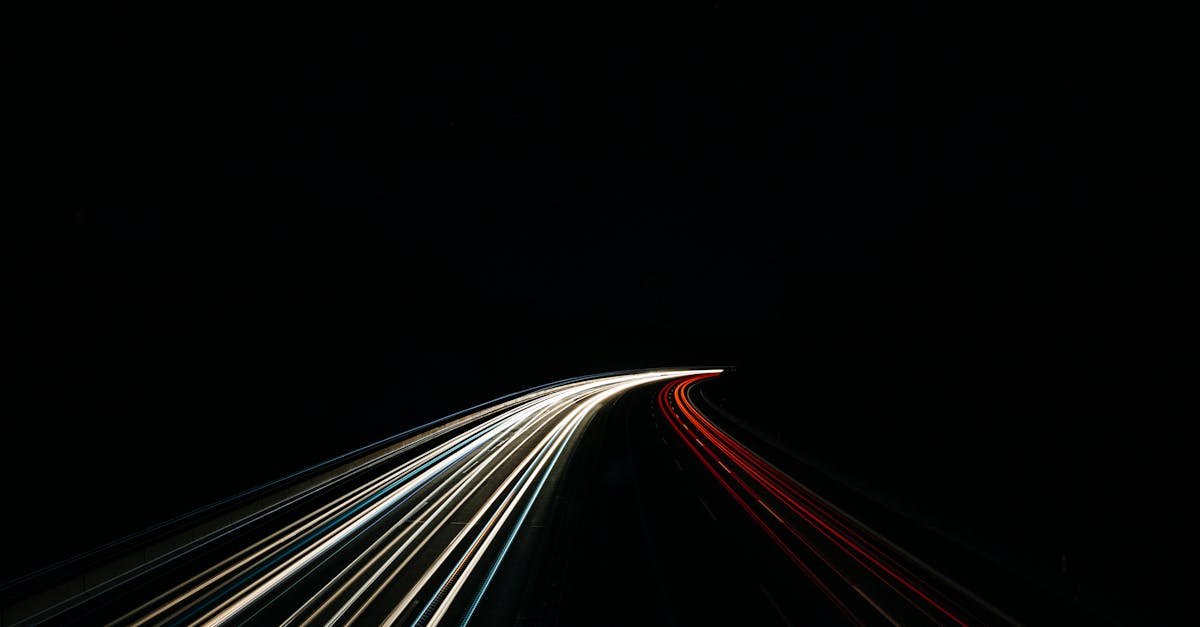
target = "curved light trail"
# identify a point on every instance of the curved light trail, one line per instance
(867, 578)
(412, 537)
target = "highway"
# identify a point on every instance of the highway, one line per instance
(861, 573)
(411, 537)
(618, 498)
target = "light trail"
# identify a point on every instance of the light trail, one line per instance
(414, 536)
(844, 559)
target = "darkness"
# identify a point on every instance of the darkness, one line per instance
(934, 245)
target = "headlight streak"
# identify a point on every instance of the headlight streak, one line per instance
(429, 465)
(374, 488)
(385, 542)
(754, 481)
(453, 582)
(595, 402)
(429, 573)
(555, 439)
(434, 430)
(299, 526)
(463, 445)
(392, 551)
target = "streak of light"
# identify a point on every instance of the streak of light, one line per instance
(850, 559)
(414, 536)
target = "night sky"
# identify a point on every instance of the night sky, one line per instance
(930, 242)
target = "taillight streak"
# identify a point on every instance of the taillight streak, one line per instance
(822, 520)
(805, 568)
(680, 411)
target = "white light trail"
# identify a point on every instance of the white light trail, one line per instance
(415, 536)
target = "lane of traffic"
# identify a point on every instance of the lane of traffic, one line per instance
(413, 537)
(866, 577)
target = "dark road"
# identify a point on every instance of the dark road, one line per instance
(262, 261)
(611, 499)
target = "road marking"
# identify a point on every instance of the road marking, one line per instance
(710, 513)
(771, 600)
(664, 440)
(877, 608)
(678, 465)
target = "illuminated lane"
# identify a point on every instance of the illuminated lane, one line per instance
(866, 578)
(412, 537)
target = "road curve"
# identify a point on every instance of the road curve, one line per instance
(865, 577)
(411, 537)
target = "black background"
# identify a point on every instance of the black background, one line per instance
(933, 243)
